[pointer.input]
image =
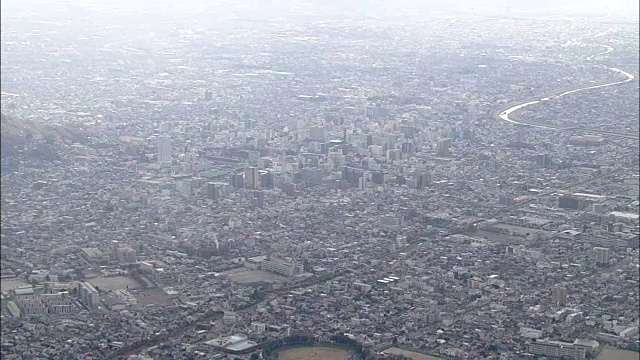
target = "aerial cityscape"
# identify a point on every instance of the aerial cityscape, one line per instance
(329, 180)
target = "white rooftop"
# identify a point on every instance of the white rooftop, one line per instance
(625, 215)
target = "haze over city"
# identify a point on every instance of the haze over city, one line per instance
(320, 180)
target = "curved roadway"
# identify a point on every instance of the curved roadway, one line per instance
(503, 113)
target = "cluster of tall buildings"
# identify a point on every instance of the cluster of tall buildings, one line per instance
(216, 190)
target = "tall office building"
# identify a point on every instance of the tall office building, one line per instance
(362, 183)
(394, 154)
(267, 180)
(318, 133)
(237, 181)
(369, 140)
(352, 175)
(251, 178)
(543, 160)
(602, 255)
(422, 180)
(559, 295)
(210, 190)
(408, 148)
(373, 111)
(443, 147)
(164, 149)
(88, 294)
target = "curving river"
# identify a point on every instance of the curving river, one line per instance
(504, 115)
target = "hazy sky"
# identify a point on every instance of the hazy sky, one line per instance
(600, 7)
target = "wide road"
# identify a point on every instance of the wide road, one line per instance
(508, 113)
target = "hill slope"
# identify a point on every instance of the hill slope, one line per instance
(25, 138)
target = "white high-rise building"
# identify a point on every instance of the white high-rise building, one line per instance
(251, 178)
(164, 149)
(88, 294)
